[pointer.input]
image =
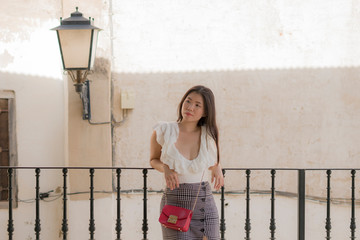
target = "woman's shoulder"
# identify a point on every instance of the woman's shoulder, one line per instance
(166, 130)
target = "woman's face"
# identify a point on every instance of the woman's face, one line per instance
(193, 107)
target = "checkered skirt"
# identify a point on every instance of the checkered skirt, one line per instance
(205, 220)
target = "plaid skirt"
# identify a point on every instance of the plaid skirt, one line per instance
(205, 219)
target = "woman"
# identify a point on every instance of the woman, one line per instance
(183, 151)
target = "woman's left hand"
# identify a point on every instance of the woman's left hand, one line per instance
(217, 176)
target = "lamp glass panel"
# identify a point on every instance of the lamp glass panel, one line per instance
(75, 45)
(93, 49)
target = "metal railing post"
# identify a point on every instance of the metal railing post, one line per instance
(222, 219)
(118, 227)
(10, 228)
(272, 219)
(328, 201)
(145, 223)
(352, 222)
(64, 227)
(92, 220)
(37, 200)
(247, 220)
(301, 204)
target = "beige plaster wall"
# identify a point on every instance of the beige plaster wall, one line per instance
(285, 82)
(29, 66)
(212, 35)
(90, 144)
(285, 77)
(296, 118)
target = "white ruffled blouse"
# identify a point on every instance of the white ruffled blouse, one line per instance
(189, 171)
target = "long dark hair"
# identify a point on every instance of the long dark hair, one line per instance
(209, 120)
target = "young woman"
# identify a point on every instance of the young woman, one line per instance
(185, 151)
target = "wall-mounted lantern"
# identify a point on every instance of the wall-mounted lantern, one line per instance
(77, 41)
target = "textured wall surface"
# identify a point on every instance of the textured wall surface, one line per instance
(214, 35)
(29, 66)
(285, 76)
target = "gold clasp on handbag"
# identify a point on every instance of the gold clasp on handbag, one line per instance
(172, 219)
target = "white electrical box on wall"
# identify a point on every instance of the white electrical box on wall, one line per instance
(127, 99)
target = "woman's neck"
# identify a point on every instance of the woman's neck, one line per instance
(188, 126)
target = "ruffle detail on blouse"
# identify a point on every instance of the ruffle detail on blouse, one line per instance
(180, 164)
(167, 134)
(163, 132)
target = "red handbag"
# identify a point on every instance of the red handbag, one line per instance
(177, 218)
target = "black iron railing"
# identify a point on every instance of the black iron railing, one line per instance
(145, 228)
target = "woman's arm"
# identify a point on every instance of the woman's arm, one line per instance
(155, 153)
(217, 176)
(155, 162)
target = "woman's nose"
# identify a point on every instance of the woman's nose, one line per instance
(190, 107)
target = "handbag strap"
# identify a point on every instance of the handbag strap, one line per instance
(197, 195)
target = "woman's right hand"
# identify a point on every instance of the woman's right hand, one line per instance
(171, 178)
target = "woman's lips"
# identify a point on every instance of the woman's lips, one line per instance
(188, 114)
